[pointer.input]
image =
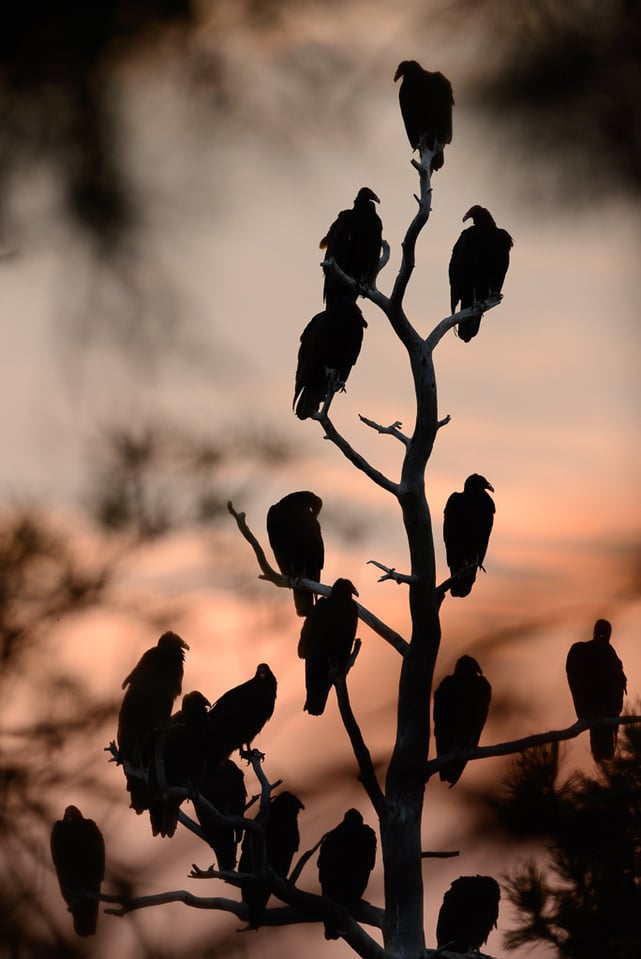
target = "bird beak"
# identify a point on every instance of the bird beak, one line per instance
(490, 487)
(467, 216)
(375, 198)
(397, 75)
(184, 644)
(354, 591)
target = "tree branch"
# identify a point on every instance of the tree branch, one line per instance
(392, 430)
(390, 573)
(332, 434)
(268, 573)
(362, 754)
(527, 742)
(449, 322)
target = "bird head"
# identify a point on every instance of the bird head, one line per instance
(602, 629)
(169, 640)
(72, 814)
(467, 666)
(479, 215)
(344, 587)
(263, 671)
(366, 194)
(478, 482)
(405, 67)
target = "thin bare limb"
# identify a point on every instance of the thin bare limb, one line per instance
(449, 322)
(332, 434)
(390, 573)
(408, 261)
(392, 430)
(270, 574)
(527, 742)
(126, 904)
(367, 773)
(446, 854)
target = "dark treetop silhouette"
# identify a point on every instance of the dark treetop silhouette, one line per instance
(461, 704)
(479, 262)
(597, 683)
(467, 523)
(239, 715)
(78, 853)
(326, 641)
(345, 860)
(295, 537)
(468, 913)
(426, 101)
(353, 241)
(275, 848)
(329, 348)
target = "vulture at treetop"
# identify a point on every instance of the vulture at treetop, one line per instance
(326, 641)
(78, 853)
(478, 265)
(295, 537)
(281, 840)
(461, 704)
(467, 524)
(240, 714)
(468, 913)
(597, 683)
(153, 685)
(329, 348)
(353, 241)
(222, 785)
(426, 107)
(181, 745)
(345, 860)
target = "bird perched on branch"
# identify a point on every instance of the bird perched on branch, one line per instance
(467, 523)
(295, 536)
(354, 242)
(479, 262)
(597, 683)
(78, 853)
(461, 704)
(345, 861)
(329, 347)
(221, 785)
(426, 102)
(469, 912)
(280, 839)
(239, 715)
(326, 641)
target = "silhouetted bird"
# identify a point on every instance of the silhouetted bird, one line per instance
(478, 265)
(222, 785)
(182, 747)
(469, 912)
(461, 704)
(426, 102)
(295, 537)
(78, 853)
(240, 713)
(326, 641)
(597, 683)
(329, 347)
(345, 860)
(467, 524)
(353, 241)
(281, 839)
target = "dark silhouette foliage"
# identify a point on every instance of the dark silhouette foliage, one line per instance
(345, 860)
(78, 853)
(597, 683)
(295, 536)
(426, 102)
(468, 913)
(461, 703)
(326, 641)
(478, 264)
(467, 523)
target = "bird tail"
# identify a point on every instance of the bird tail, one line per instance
(603, 743)
(463, 582)
(85, 916)
(316, 702)
(303, 601)
(467, 329)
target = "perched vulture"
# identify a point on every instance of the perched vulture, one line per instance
(329, 347)
(240, 714)
(467, 524)
(461, 704)
(478, 265)
(426, 107)
(295, 537)
(78, 853)
(345, 861)
(326, 641)
(221, 785)
(468, 913)
(153, 685)
(281, 840)
(597, 683)
(353, 241)
(182, 746)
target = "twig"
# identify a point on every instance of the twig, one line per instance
(449, 322)
(332, 434)
(392, 430)
(391, 573)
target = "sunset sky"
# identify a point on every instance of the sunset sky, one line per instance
(545, 402)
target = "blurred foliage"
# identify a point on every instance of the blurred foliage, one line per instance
(562, 80)
(584, 895)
